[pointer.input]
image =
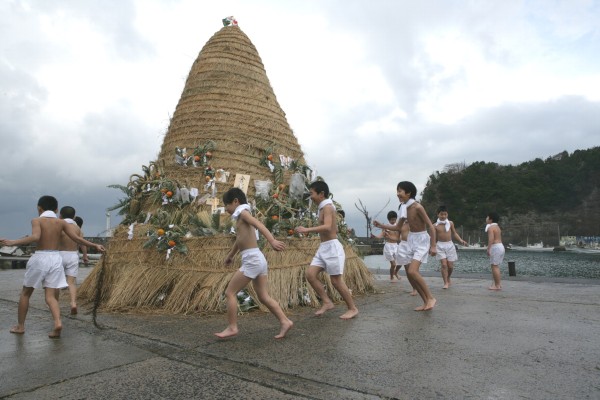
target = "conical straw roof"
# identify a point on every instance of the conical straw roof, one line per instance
(228, 99)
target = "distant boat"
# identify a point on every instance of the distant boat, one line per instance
(531, 247)
(474, 246)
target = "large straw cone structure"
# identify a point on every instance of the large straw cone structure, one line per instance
(227, 99)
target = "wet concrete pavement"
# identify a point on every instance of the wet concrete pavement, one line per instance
(533, 340)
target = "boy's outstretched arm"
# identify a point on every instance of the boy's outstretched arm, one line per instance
(72, 233)
(396, 227)
(36, 232)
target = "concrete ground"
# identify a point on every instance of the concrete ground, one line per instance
(533, 340)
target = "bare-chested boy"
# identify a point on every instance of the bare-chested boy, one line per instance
(390, 247)
(330, 256)
(254, 264)
(69, 252)
(44, 268)
(446, 252)
(420, 243)
(495, 249)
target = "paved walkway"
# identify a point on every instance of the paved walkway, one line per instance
(534, 340)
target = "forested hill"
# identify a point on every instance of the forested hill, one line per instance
(536, 200)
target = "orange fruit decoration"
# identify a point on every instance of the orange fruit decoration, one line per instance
(208, 154)
(275, 217)
(172, 243)
(275, 196)
(196, 158)
(270, 157)
(291, 232)
(169, 194)
(207, 177)
(160, 232)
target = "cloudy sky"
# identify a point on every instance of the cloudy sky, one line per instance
(376, 91)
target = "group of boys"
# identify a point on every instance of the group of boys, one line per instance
(55, 263)
(411, 229)
(398, 249)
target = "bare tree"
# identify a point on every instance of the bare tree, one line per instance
(365, 212)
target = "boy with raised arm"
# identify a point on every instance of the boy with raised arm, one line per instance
(495, 248)
(330, 256)
(254, 264)
(446, 252)
(44, 268)
(420, 243)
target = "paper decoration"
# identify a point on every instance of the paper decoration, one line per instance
(130, 231)
(286, 162)
(214, 206)
(242, 181)
(229, 21)
(263, 188)
(221, 175)
(297, 186)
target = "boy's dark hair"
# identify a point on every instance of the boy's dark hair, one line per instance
(493, 215)
(67, 212)
(234, 193)
(320, 186)
(442, 209)
(79, 221)
(392, 214)
(48, 203)
(408, 187)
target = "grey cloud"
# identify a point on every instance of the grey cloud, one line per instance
(114, 18)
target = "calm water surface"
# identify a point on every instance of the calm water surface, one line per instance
(564, 264)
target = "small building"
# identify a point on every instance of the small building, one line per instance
(11, 251)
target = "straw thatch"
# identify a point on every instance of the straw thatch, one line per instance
(228, 99)
(228, 107)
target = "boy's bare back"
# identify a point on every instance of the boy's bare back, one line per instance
(48, 232)
(66, 243)
(494, 235)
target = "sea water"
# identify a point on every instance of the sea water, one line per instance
(559, 264)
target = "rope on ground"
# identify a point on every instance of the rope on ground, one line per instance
(98, 294)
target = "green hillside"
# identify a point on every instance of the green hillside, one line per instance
(535, 198)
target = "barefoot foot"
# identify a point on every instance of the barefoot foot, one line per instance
(413, 293)
(430, 304)
(228, 332)
(495, 288)
(55, 334)
(285, 327)
(445, 286)
(349, 314)
(18, 330)
(324, 308)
